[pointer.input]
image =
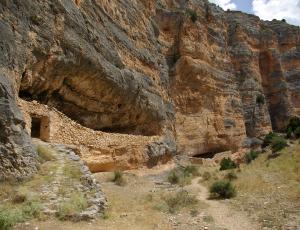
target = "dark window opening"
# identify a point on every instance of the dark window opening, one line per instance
(36, 127)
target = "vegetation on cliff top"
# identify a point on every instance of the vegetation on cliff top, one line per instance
(193, 15)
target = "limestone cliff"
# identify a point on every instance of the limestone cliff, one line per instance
(17, 156)
(201, 79)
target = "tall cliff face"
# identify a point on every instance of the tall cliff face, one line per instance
(184, 70)
(209, 113)
(266, 59)
(233, 76)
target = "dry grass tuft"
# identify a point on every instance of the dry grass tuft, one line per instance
(118, 178)
(70, 207)
(183, 175)
(174, 202)
(45, 153)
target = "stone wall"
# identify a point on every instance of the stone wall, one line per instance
(101, 151)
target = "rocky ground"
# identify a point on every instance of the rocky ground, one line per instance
(63, 188)
(267, 197)
(72, 176)
(139, 204)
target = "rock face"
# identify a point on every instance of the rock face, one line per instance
(86, 61)
(17, 156)
(185, 71)
(233, 76)
(266, 60)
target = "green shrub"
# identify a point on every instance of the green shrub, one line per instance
(173, 177)
(260, 99)
(249, 157)
(11, 216)
(293, 128)
(294, 123)
(268, 139)
(297, 132)
(289, 132)
(193, 15)
(227, 163)
(31, 209)
(222, 189)
(180, 200)
(8, 219)
(231, 176)
(118, 178)
(278, 143)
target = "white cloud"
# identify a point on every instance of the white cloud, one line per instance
(225, 4)
(278, 9)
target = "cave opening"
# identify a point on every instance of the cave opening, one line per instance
(119, 129)
(210, 154)
(207, 155)
(36, 127)
(24, 94)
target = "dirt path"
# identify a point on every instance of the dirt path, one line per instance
(224, 216)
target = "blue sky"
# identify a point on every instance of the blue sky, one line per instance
(266, 9)
(244, 5)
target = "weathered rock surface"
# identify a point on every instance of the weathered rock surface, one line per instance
(83, 58)
(147, 68)
(17, 156)
(232, 75)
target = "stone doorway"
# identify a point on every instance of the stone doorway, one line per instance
(40, 127)
(36, 127)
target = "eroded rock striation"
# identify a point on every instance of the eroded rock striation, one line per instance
(200, 79)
